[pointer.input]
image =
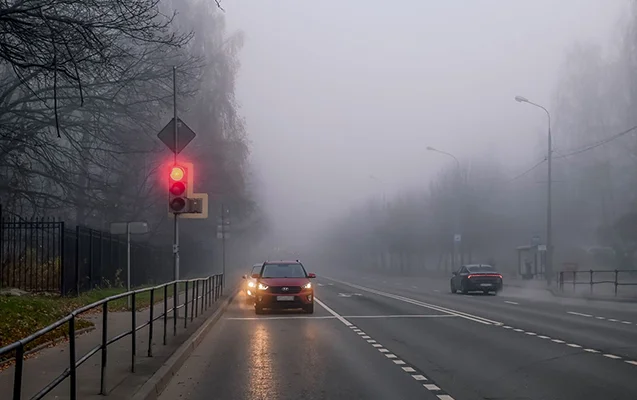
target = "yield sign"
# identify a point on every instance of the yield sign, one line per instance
(184, 135)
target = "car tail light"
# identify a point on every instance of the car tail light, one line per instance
(470, 276)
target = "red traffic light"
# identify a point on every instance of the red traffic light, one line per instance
(177, 173)
(177, 188)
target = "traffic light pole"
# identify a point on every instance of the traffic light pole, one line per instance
(176, 225)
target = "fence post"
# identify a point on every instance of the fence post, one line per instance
(175, 295)
(192, 311)
(17, 374)
(574, 279)
(151, 322)
(196, 298)
(165, 311)
(77, 260)
(90, 259)
(134, 331)
(210, 288)
(72, 362)
(561, 281)
(62, 265)
(591, 280)
(616, 281)
(186, 307)
(104, 346)
(203, 295)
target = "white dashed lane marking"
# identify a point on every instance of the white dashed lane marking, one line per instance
(511, 302)
(572, 345)
(600, 317)
(434, 307)
(413, 372)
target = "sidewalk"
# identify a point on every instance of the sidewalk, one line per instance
(44, 367)
(605, 292)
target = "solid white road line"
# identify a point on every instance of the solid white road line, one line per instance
(402, 316)
(334, 313)
(445, 310)
(278, 318)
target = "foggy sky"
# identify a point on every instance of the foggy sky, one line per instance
(336, 91)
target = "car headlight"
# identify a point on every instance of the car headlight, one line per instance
(307, 285)
(251, 284)
(262, 286)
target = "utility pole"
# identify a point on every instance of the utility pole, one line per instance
(548, 269)
(549, 208)
(456, 253)
(176, 221)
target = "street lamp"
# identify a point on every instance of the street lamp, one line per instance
(429, 148)
(458, 198)
(549, 230)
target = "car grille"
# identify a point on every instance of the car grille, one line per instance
(279, 289)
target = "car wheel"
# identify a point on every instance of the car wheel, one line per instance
(309, 308)
(258, 310)
(453, 289)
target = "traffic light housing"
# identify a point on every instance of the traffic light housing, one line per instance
(178, 189)
(181, 197)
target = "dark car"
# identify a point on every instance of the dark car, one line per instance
(476, 277)
(284, 285)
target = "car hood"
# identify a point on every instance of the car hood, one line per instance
(284, 281)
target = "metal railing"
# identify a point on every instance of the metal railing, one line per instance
(591, 278)
(203, 293)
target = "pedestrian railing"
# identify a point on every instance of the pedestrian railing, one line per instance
(591, 278)
(198, 294)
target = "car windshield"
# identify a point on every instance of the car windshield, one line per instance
(283, 271)
(481, 268)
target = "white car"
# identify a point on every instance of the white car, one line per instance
(251, 283)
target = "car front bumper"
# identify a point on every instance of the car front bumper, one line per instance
(271, 300)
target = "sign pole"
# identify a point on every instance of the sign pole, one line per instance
(176, 224)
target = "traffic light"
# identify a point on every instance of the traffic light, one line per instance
(178, 189)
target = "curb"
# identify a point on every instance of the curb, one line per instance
(159, 380)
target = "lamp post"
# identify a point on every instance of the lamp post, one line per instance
(549, 230)
(456, 242)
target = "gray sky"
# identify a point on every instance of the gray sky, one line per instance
(336, 91)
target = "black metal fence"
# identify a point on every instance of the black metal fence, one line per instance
(612, 279)
(44, 255)
(204, 292)
(31, 253)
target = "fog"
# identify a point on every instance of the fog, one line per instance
(341, 99)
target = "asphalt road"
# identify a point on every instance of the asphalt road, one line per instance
(399, 338)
